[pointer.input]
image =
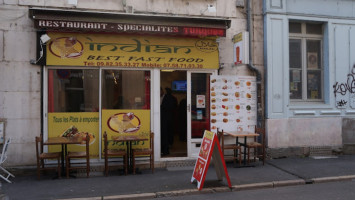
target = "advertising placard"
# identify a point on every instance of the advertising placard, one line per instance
(201, 101)
(132, 51)
(241, 48)
(233, 103)
(126, 122)
(75, 125)
(210, 148)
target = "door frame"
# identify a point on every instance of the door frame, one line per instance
(191, 141)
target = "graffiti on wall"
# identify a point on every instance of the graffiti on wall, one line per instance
(341, 89)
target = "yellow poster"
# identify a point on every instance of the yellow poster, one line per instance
(75, 49)
(75, 125)
(125, 123)
(208, 134)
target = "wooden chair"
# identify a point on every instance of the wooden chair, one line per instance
(81, 154)
(258, 146)
(145, 152)
(237, 153)
(114, 153)
(41, 157)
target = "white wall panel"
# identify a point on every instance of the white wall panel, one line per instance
(352, 63)
(342, 58)
(276, 68)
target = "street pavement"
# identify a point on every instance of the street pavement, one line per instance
(175, 181)
(339, 190)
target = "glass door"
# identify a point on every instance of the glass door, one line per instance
(198, 102)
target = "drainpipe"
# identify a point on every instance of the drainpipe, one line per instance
(259, 122)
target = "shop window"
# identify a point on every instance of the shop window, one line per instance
(306, 61)
(73, 107)
(125, 89)
(73, 90)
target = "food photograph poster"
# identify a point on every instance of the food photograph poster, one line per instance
(125, 123)
(233, 103)
(75, 125)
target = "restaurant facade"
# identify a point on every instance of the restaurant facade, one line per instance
(97, 71)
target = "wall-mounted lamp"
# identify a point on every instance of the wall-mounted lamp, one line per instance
(210, 8)
(73, 2)
(44, 38)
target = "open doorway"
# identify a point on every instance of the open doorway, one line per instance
(173, 114)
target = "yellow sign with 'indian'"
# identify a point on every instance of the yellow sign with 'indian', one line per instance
(75, 49)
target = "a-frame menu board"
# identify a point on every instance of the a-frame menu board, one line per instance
(210, 148)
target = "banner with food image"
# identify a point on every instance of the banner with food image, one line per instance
(75, 125)
(233, 103)
(126, 122)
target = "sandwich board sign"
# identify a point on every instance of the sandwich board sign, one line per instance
(210, 148)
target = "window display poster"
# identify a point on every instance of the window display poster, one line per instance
(233, 103)
(312, 58)
(75, 125)
(296, 76)
(118, 122)
(201, 101)
(293, 86)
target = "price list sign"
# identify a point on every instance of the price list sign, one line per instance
(233, 103)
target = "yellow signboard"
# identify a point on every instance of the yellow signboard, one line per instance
(75, 125)
(125, 123)
(76, 49)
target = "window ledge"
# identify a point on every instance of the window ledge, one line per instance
(304, 112)
(330, 112)
(308, 105)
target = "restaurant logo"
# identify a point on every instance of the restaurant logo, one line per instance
(206, 46)
(66, 47)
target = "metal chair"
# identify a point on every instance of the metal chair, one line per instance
(82, 154)
(145, 152)
(113, 153)
(258, 145)
(237, 152)
(41, 157)
(2, 160)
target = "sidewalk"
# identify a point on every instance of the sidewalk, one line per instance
(176, 181)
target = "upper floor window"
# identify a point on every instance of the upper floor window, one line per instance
(306, 61)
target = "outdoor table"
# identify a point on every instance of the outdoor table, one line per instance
(64, 141)
(129, 139)
(245, 135)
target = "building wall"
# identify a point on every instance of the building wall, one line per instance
(292, 124)
(20, 82)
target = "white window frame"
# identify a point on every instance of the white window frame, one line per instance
(303, 36)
